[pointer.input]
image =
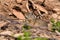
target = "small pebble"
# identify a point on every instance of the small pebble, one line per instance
(18, 34)
(18, 1)
(54, 15)
(6, 33)
(58, 17)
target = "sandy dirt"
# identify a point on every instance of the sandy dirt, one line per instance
(35, 13)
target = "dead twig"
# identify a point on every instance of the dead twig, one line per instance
(43, 3)
(8, 36)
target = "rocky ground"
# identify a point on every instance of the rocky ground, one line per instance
(14, 14)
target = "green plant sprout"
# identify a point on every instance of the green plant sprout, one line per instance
(39, 38)
(27, 36)
(55, 26)
(25, 26)
(19, 38)
(52, 20)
